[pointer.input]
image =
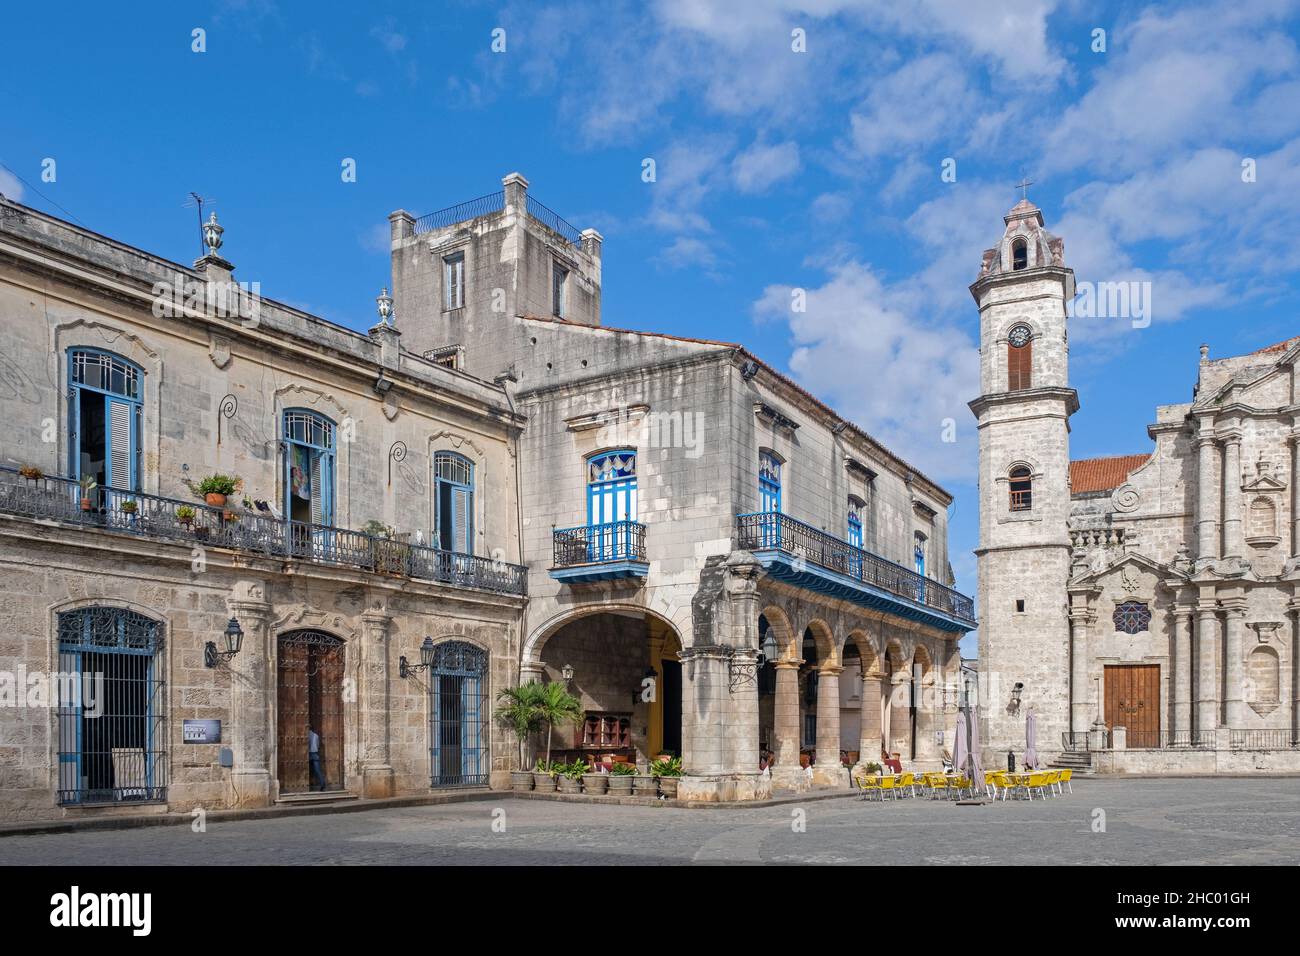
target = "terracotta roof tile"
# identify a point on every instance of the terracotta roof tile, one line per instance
(1103, 474)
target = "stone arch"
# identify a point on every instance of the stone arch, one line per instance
(531, 654)
(1263, 680)
(782, 632)
(78, 604)
(867, 652)
(1262, 521)
(824, 637)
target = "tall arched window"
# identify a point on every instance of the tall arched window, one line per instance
(855, 521)
(453, 483)
(1019, 254)
(1020, 358)
(1022, 488)
(308, 467)
(611, 487)
(104, 392)
(112, 736)
(769, 482)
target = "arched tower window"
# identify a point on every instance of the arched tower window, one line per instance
(1022, 489)
(1019, 254)
(453, 479)
(104, 425)
(1020, 358)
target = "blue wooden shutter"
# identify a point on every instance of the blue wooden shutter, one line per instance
(121, 445)
(462, 502)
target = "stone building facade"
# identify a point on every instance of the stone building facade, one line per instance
(751, 544)
(107, 373)
(490, 486)
(1143, 606)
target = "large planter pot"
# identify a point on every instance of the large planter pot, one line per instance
(668, 787)
(645, 786)
(215, 500)
(543, 782)
(595, 783)
(570, 785)
(521, 780)
(620, 785)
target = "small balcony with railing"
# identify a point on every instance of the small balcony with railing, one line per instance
(599, 552)
(115, 511)
(808, 557)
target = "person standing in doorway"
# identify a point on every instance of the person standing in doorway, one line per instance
(313, 756)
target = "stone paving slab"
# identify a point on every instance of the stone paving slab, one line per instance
(1146, 822)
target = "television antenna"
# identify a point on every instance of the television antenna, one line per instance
(197, 200)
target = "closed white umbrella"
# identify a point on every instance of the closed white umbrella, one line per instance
(959, 742)
(884, 723)
(974, 766)
(1031, 731)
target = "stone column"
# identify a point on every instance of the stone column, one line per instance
(373, 709)
(1232, 530)
(1182, 664)
(1293, 612)
(869, 741)
(1295, 493)
(827, 769)
(1080, 706)
(1207, 497)
(900, 717)
(252, 695)
(1234, 665)
(1207, 647)
(786, 771)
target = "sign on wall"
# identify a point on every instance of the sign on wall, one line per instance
(201, 731)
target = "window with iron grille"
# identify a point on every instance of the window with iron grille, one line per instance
(458, 715)
(111, 707)
(1132, 617)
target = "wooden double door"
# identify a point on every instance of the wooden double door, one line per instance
(309, 701)
(1133, 702)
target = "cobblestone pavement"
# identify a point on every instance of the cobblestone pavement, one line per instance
(1162, 821)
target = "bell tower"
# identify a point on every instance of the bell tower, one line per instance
(1024, 460)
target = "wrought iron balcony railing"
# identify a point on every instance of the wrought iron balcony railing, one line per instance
(770, 530)
(470, 209)
(150, 516)
(599, 544)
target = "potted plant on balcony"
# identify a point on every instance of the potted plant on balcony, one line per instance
(621, 776)
(517, 713)
(668, 771)
(570, 779)
(88, 485)
(129, 508)
(31, 473)
(544, 773)
(214, 489)
(185, 516)
(595, 781)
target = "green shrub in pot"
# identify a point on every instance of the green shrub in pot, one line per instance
(668, 771)
(621, 776)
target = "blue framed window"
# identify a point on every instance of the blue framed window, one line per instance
(104, 412)
(855, 522)
(611, 487)
(769, 481)
(111, 695)
(453, 484)
(309, 440)
(458, 714)
(918, 554)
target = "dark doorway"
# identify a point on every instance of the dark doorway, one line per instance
(672, 691)
(310, 699)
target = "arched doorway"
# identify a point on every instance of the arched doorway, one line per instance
(626, 670)
(309, 711)
(458, 715)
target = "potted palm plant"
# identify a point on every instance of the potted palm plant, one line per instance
(555, 705)
(669, 771)
(517, 713)
(621, 776)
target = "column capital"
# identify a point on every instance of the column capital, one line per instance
(376, 619)
(1230, 436)
(1234, 607)
(830, 670)
(786, 663)
(259, 612)
(1184, 612)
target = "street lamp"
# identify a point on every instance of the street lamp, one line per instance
(234, 640)
(567, 673)
(406, 669)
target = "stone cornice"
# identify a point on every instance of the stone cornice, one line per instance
(1067, 395)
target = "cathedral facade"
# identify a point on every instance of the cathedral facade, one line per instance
(1145, 606)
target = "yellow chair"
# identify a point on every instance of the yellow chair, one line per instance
(1054, 782)
(962, 784)
(1065, 779)
(1036, 782)
(868, 784)
(888, 785)
(907, 782)
(992, 781)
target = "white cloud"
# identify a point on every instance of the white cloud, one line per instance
(861, 348)
(10, 186)
(687, 173)
(761, 166)
(388, 36)
(912, 107)
(377, 239)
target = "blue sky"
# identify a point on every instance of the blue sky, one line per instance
(775, 169)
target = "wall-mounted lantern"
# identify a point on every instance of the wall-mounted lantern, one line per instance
(233, 639)
(406, 669)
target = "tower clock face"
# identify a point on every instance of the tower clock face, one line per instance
(1018, 336)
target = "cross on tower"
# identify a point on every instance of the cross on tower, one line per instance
(1023, 186)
